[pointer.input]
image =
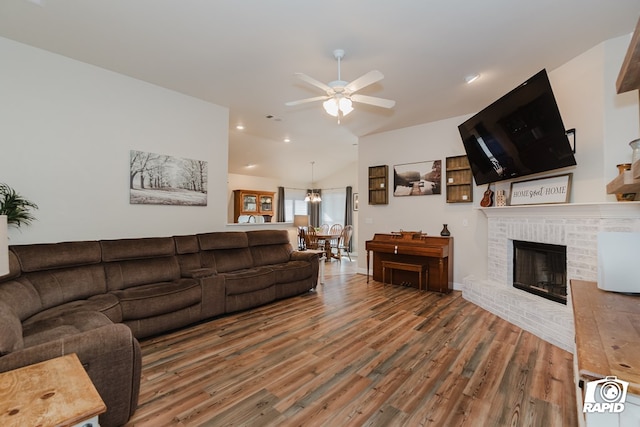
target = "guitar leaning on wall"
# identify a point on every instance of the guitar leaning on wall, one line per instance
(487, 199)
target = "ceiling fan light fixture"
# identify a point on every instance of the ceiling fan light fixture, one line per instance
(345, 105)
(331, 107)
(338, 105)
(339, 94)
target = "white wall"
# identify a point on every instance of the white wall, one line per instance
(431, 141)
(606, 122)
(585, 91)
(66, 129)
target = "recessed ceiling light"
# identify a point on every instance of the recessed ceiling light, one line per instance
(240, 127)
(472, 78)
(250, 165)
(287, 140)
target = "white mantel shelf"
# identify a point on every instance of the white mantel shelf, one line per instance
(565, 210)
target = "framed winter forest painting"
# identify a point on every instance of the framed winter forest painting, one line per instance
(158, 179)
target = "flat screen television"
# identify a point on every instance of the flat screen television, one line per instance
(519, 134)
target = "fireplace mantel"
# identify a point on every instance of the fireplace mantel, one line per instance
(564, 210)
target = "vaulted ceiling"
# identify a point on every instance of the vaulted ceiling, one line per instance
(242, 54)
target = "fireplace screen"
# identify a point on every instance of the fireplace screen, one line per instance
(541, 269)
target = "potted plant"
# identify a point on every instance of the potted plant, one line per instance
(15, 207)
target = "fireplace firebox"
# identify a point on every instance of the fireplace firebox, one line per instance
(541, 269)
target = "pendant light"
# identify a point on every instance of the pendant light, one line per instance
(312, 196)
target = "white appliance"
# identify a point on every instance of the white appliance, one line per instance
(619, 261)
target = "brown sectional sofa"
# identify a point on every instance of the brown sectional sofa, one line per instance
(96, 298)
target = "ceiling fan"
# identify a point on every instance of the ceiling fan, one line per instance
(340, 94)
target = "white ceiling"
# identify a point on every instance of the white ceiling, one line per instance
(242, 54)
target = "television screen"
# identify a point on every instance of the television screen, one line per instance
(520, 134)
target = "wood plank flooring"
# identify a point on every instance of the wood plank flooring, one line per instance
(353, 354)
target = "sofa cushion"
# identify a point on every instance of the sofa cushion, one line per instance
(126, 274)
(21, 296)
(158, 298)
(188, 252)
(241, 282)
(11, 330)
(155, 325)
(250, 299)
(58, 286)
(149, 247)
(50, 328)
(186, 244)
(269, 246)
(271, 254)
(292, 271)
(107, 304)
(267, 237)
(45, 256)
(227, 260)
(223, 240)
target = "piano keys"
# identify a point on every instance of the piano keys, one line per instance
(415, 248)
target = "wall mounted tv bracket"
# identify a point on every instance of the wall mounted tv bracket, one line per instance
(572, 132)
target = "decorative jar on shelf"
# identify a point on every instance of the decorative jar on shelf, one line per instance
(624, 197)
(635, 146)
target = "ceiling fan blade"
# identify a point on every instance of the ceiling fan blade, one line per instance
(372, 100)
(314, 82)
(365, 80)
(304, 101)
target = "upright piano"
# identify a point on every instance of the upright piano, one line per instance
(414, 248)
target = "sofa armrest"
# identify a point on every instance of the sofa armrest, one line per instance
(110, 355)
(303, 256)
(199, 273)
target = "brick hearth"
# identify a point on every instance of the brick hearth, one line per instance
(574, 225)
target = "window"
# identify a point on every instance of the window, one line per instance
(294, 203)
(333, 206)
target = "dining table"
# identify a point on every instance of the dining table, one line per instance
(326, 239)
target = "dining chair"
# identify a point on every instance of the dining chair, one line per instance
(311, 239)
(335, 229)
(343, 242)
(324, 229)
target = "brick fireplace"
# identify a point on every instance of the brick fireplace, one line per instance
(575, 226)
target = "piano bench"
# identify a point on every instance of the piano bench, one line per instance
(421, 269)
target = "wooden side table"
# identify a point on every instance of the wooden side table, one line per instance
(56, 392)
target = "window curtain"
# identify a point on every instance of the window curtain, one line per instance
(314, 209)
(280, 209)
(348, 211)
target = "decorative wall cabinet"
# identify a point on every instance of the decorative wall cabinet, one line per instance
(379, 185)
(459, 180)
(251, 202)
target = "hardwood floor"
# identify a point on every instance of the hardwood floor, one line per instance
(353, 354)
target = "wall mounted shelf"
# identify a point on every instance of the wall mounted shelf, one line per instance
(459, 180)
(379, 185)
